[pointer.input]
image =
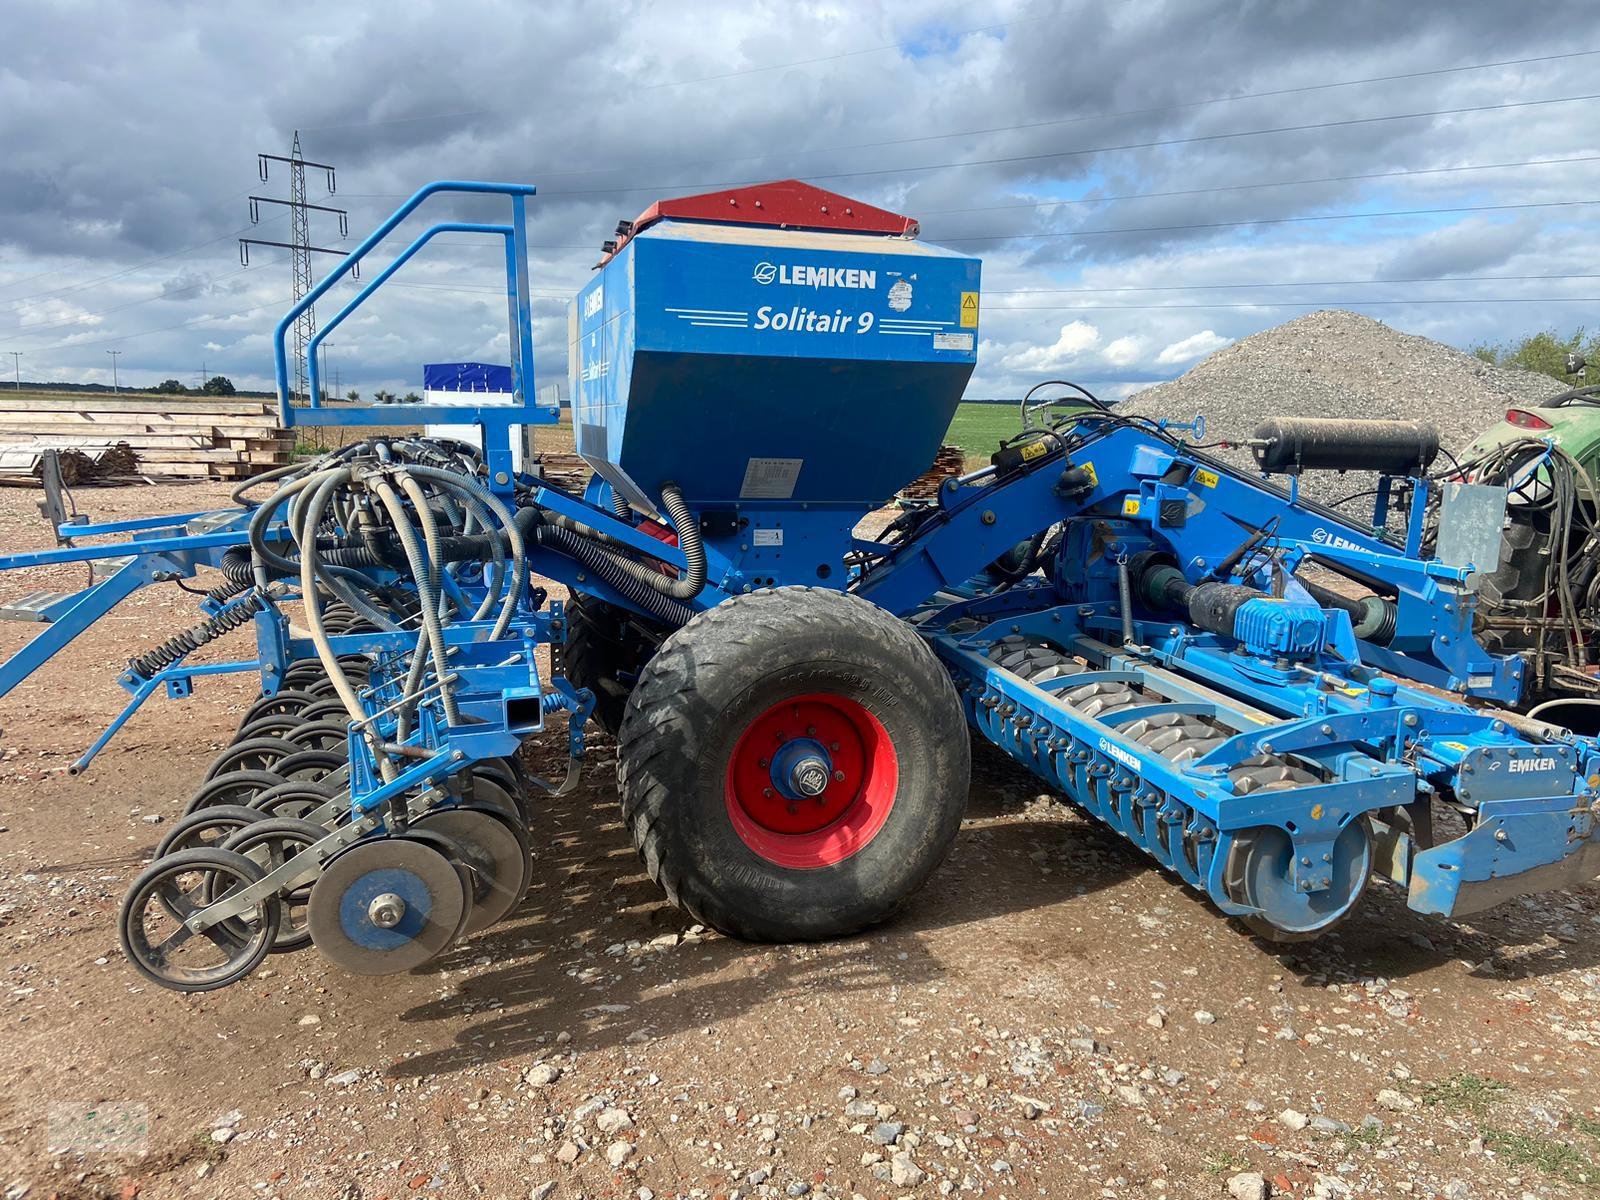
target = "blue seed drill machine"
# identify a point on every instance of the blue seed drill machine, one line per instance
(1274, 702)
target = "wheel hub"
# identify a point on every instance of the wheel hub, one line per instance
(810, 780)
(386, 910)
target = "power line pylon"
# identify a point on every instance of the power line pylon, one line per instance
(299, 244)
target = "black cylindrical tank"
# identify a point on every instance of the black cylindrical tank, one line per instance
(1288, 444)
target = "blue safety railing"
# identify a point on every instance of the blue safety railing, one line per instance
(497, 420)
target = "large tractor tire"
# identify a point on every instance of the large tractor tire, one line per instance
(606, 649)
(794, 765)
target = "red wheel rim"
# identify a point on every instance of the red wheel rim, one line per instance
(804, 833)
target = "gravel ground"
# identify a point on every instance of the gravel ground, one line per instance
(1341, 364)
(1050, 1017)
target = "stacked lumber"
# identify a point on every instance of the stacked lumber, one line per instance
(947, 464)
(211, 437)
(566, 471)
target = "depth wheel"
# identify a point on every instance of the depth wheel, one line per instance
(171, 889)
(292, 800)
(236, 787)
(252, 754)
(311, 766)
(385, 905)
(279, 703)
(270, 844)
(1258, 871)
(208, 827)
(329, 736)
(270, 726)
(794, 765)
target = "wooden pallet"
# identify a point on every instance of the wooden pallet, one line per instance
(202, 438)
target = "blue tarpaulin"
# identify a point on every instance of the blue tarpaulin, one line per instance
(466, 377)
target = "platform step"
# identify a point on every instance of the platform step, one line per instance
(105, 568)
(35, 606)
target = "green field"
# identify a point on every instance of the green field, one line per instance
(978, 428)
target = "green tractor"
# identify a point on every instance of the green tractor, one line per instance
(1543, 600)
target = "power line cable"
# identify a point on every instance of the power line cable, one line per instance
(1157, 143)
(1208, 287)
(1351, 216)
(1241, 187)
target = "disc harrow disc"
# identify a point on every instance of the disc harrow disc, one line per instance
(384, 906)
(499, 859)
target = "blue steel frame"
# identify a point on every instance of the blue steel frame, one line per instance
(1537, 796)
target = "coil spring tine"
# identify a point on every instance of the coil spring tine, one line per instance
(179, 644)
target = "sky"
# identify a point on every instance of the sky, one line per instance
(1145, 181)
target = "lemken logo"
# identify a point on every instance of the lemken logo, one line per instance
(1519, 766)
(594, 301)
(1107, 746)
(1323, 538)
(816, 277)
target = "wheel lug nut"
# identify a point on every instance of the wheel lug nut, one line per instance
(834, 746)
(838, 776)
(811, 731)
(765, 763)
(767, 792)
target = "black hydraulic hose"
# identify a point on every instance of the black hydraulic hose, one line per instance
(565, 537)
(614, 571)
(235, 565)
(694, 553)
(1329, 598)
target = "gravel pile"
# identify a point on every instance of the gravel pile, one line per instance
(1340, 364)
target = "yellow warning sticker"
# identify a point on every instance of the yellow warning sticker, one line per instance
(969, 310)
(1206, 478)
(1034, 450)
(1461, 746)
(1130, 506)
(1088, 469)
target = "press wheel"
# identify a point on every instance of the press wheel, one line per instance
(171, 889)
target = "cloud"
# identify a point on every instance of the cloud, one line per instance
(1195, 346)
(1145, 167)
(1123, 352)
(1075, 338)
